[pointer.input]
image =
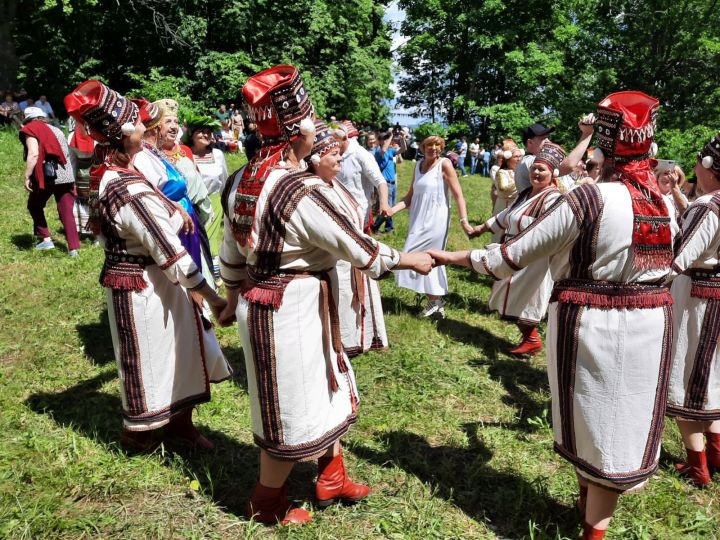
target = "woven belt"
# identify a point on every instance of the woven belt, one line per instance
(703, 273)
(142, 260)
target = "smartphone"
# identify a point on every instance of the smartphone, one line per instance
(665, 165)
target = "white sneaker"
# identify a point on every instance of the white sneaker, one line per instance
(435, 309)
(45, 245)
(74, 253)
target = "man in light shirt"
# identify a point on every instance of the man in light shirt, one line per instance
(360, 172)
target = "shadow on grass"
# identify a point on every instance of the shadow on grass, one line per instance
(503, 500)
(96, 340)
(519, 378)
(230, 469)
(487, 342)
(236, 359)
(23, 241)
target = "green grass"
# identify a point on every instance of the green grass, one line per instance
(453, 434)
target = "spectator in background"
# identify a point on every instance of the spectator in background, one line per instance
(671, 181)
(238, 125)
(385, 156)
(25, 103)
(222, 114)
(461, 147)
(474, 155)
(48, 173)
(485, 162)
(228, 137)
(208, 159)
(10, 112)
(252, 141)
(371, 142)
(42, 103)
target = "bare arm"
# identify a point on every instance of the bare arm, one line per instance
(31, 143)
(451, 179)
(405, 201)
(586, 133)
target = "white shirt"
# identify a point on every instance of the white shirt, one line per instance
(474, 149)
(360, 173)
(522, 172)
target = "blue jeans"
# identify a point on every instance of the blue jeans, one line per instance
(388, 221)
(486, 168)
(473, 163)
(461, 164)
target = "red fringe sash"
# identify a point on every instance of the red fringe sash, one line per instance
(609, 295)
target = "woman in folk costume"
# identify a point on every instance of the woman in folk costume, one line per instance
(166, 352)
(610, 320)
(181, 157)
(161, 173)
(694, 394)
(504, 179)
(210, 161)
(523, 297)
(283, 237)
(429, 223)
(362, 323)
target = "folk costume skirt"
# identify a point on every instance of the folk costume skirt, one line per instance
(608, 369)
(302, 390)
(362, 323)
(695, 378)
(167, 355)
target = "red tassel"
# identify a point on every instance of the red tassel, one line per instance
(332, 380)
(342, 366)
(266, 297)
(123, 282)
(705, 290)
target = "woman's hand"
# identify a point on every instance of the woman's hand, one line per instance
(420, 262)
(188, 225)
(458, 258)
(477, 231)
(469, 229)
(28, 184)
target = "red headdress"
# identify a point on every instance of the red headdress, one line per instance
(150, 113)
(107, 117)
(324, 141)
(350, 129)
(552, 155)
(625, 126)
(279, 105)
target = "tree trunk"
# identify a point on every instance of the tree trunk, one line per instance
(8, 56)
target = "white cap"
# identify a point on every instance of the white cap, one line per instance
(34, 112)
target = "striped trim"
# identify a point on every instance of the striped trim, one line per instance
(172, 260)
(697, 386)
(152, 227)
(309, 450)
(365, 242)
(130, 363)
(691, 223)
(587, 206)
(486, 266)
(568, 323)
(262, 340)
(620, 479)
(167, 412)
(658, 416)
(691, 414)
(507, 259)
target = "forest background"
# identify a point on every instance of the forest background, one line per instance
(487, 68)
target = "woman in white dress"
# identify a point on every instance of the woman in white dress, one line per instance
(523, 297)
(429, 222)
(283, 238)
(210, 161)
(609, 336)
(166, 351)
(694, 394)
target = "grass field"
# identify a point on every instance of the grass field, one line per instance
(453, 434)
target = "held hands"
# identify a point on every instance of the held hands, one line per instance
(458, 258)
(421, 262)
(469, 229)
(477, 231)
(385, 210)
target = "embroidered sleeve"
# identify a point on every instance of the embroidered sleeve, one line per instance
(146, 219)
(233, 269)
(498, 222)
(505, 184)
(700, 239)
(548, 235)
(324, 227)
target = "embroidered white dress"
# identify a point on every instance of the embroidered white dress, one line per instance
(523, 296)
(428, 228)
(608, 366)
(360, 174)
(166, 353)
(213, 170)
(300, 383)
(695, 379)
(362, 323)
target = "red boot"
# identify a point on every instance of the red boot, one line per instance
(181, 427)
(591, 533)
(713, 451)
(271, 506)
(530, 344)
(696, 468)
(334, 485)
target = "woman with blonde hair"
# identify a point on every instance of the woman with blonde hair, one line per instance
(429, 224)
(523, 297)
(504, 180)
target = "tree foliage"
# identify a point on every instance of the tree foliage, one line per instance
(500, 64)
(203, 51)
